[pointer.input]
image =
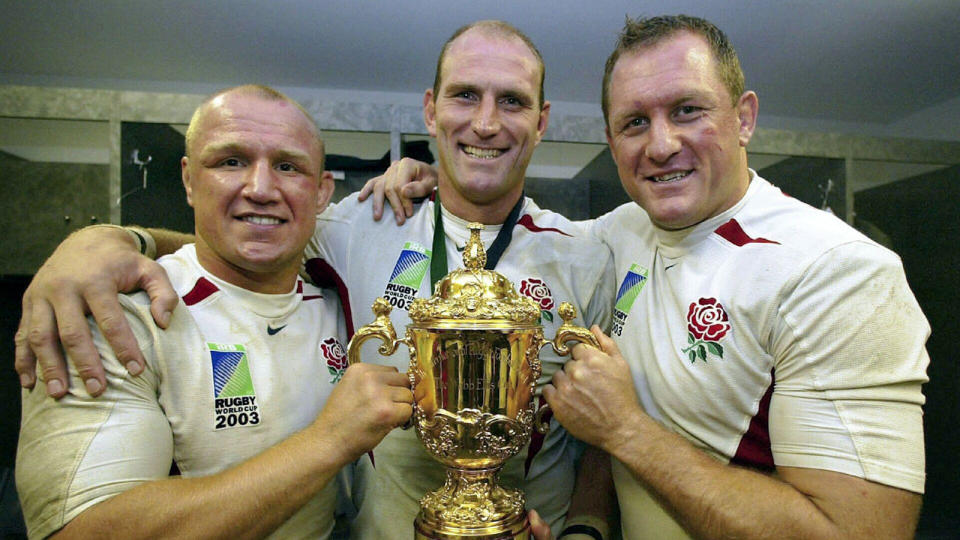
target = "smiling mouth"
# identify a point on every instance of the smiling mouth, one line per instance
(261, 220)
(481, 153)
(672, 177)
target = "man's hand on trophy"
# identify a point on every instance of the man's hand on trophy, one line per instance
(367, 402)
(593, 392)
(402, 183)
(84, 275)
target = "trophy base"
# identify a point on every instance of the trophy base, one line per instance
(520, 531)
(471, 505)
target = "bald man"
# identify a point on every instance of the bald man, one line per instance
(245, 391)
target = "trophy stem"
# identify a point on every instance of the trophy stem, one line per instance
(472, 505)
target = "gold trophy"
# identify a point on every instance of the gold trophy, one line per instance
(474, 364)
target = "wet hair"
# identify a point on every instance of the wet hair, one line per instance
(495, 28)
(645, 32)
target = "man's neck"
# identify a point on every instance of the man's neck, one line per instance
(492, 213)
(267, 282)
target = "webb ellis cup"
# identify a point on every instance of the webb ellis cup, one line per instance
(474, 365)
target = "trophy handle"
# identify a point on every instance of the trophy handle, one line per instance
(381, 327)
(571, 332)
(567, 332)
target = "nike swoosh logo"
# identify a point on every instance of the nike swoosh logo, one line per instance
(665, 268)
(272, 331)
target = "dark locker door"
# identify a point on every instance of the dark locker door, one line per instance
(921, 215)
(163, 203)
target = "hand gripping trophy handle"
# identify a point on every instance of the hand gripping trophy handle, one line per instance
(566, 333)
(381, 328)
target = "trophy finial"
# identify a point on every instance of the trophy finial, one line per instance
(474, 256)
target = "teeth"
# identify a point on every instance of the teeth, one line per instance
(482, 153)
(670, 177)
(261, 220)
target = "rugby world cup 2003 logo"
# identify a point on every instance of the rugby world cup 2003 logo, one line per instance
(630, 288)
(234, 399)
(408, 272)
(707, 324)
(333, 353)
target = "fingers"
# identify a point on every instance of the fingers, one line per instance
(398, 175)
(42, 340)
(163, 299)
(397, 392)
(366, 190)
(374, 188)
(549, 391)
(108, 313)
(401, 191)
(399, 210)
(378, 196)
(74, 331)
(416, 181)
(538, 527)
(379, 396)
(606, 343)
(24, 361)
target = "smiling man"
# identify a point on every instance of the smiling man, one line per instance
(487, 112)
(769, 384)
(764, 375)
(254, 421)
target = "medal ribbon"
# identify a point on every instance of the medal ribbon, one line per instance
(438, 259)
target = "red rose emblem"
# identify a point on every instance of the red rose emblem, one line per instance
(707, 323)
(538, 291)
(336, 358)
(707, 320)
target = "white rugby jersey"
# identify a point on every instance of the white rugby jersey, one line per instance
(235, 373)
(772, 334)
(548, 258)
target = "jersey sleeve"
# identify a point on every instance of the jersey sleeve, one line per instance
(599, 310)
(79, 451)
(331, 238)
(850, 361)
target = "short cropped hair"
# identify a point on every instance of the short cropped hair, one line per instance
(255, 90)
(492, 27)
(643, 32)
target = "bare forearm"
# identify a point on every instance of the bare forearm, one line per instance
(248, 501)
(714, 500)
(594, 501)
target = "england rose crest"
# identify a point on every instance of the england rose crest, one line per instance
(537, 290)
(707, 324)
(336, 358)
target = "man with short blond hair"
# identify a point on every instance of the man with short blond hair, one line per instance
(246, 390)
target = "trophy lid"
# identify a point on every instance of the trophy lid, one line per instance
(472, 297)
